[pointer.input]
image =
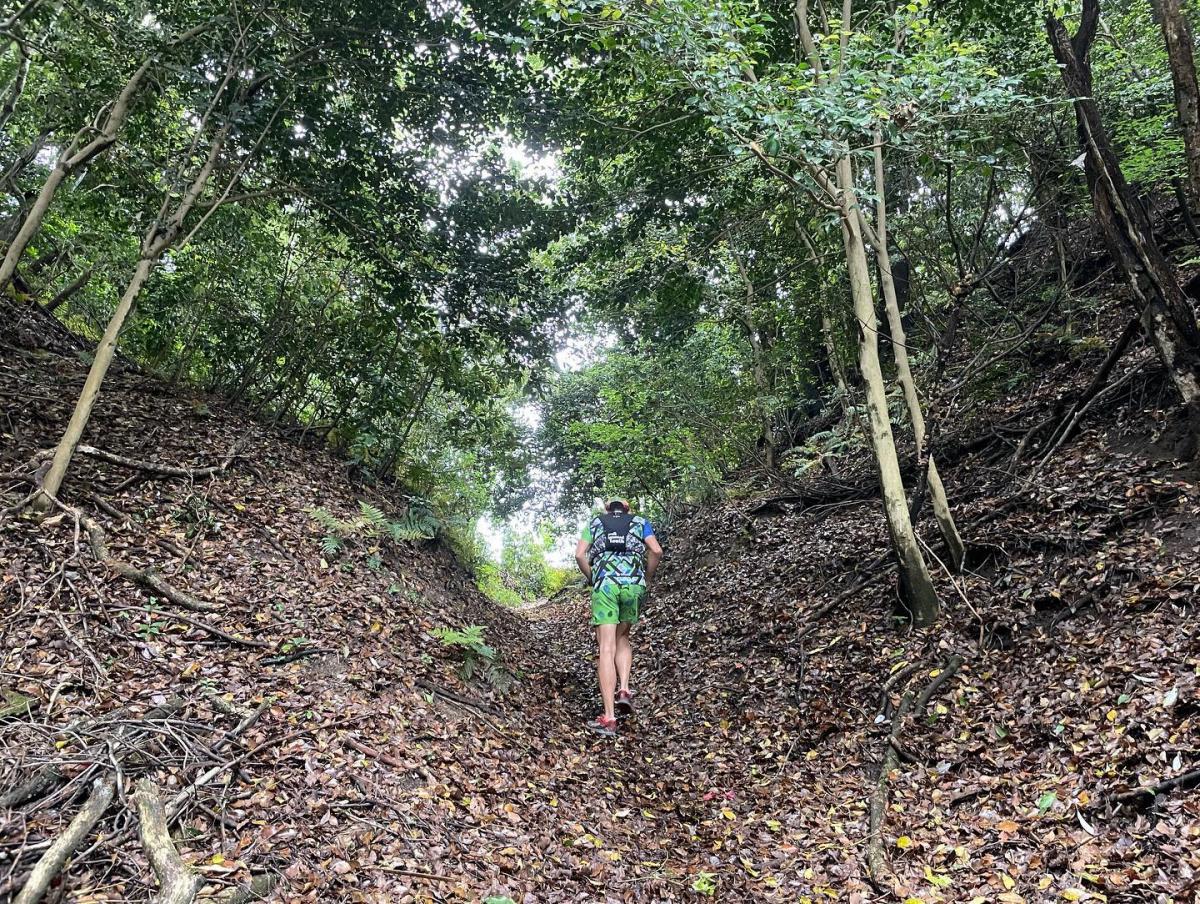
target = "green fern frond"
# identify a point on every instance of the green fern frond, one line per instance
(331, 545)
(414, 526)
(326, 520)
(372, 515)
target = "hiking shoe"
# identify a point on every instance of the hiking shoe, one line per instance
(603, 726)
(624, 705)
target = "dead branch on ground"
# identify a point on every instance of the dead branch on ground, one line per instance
(64, 845)
(1146, 796)
(178, 884)
(877, 863)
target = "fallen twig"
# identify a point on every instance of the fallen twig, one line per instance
(56, 855)
(1146, 795)
(298, 654)
(366, 750)
(242, 727)
(196, 623)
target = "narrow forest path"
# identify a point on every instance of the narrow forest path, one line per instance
(349, 761)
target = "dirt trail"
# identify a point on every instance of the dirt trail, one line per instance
(373, 773)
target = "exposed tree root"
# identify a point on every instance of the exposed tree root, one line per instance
(894, 752)
(177, 883)
(1144, 797)
(50, 776)
(877, 863)
(446, 693)
(56, 855)
(98, 541)
(156, 468)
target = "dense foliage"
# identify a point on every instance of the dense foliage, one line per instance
(375, 224)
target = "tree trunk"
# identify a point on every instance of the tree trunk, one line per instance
(1168, 315)
(73, 156)
(835, 361)
(32, 222)
(15, 88)
(937, 492)
(758, 365)
(91, 387)
(1177, 33)
(915, 584)
(69, 290)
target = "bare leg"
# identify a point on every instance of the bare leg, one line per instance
(624, 655)
(606, 666)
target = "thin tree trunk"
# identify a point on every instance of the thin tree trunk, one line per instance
(1177, 33)
(15, 88)
(916, 585)
(9, 179)
(393, 455)
(91, 387)
(70, 289)
(160, 236)
(758, 364)
(937, 491)
(1167, 314)
(835, 361)
(73, 156)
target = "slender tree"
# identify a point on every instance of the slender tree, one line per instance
(1177, 33)
(1166, 312)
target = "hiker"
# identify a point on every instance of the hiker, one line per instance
(618, 554)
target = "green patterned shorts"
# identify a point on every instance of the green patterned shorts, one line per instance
(614, 602)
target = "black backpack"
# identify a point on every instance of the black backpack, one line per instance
(616, 535)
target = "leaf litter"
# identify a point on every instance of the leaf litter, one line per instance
(374, 772)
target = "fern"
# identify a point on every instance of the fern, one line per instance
(326, 520)
(371, 521)
(415, 525)
(479, 658)
(372, 517)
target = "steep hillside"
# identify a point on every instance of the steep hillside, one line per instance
(307, 731)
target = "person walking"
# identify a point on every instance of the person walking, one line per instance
(618, 555)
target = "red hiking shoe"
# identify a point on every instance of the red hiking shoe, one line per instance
(624, 704)
(603, 726)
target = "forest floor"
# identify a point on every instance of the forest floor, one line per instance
(324, 742)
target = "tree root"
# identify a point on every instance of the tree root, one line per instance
(447, 694)
(877, 864)
(160, 469)
(50, 776)
(178, 884)
(98, 541)
(56, 855)
(894, 752)
(1144, 797)
(202, 626)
